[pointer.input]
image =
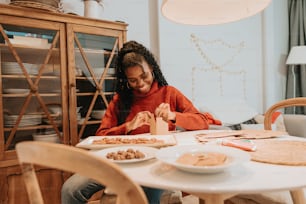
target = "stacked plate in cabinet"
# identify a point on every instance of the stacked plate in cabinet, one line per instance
(16, 91)
(47, 136)
(14, 68)
(26, 120)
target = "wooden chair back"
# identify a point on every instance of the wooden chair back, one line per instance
(301, 101)
(296, 195)
(74, 160)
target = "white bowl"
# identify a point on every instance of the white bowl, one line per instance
(78, 109)
(55, 109)
(50, 136)
(78, 71)
(97, 114)
(170, 155)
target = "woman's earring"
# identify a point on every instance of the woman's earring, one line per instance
(127, 85)
(153, 75)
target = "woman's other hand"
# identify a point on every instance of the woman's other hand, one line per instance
(163, 110)
(140, 119)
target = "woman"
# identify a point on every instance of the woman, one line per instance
(141, 90)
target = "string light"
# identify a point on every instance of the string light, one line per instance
(213, 66)
(207, 59)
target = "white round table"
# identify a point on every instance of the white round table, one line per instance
(247, 178)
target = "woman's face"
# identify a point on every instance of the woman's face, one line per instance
(140, 78)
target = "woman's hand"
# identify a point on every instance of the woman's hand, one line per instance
(163, 110)
(140, 119)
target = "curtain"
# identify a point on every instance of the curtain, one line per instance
(297, 36)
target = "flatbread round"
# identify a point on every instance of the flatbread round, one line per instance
(202, 159)
(239, 134)
(261, 134)
(281, 152)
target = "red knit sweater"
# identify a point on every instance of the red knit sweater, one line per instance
(187, 116)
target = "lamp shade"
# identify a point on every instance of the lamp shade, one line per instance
(297, 55)
(209, 12)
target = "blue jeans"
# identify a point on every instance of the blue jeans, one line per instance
(78, 189)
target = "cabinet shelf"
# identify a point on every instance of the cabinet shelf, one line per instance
(26, 94)
(25, 49)
(36, 127)
(90, 78)
(22, 77)
(91, 94)
(95, 51)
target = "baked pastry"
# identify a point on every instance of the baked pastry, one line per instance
(202, 159)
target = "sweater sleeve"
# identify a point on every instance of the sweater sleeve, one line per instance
(109, 123)
(187, 116)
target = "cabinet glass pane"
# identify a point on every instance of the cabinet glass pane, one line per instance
(95, 73)
(30, 84)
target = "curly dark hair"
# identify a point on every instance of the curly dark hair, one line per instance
(136, 53)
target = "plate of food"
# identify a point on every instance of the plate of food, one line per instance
(127, 154)
(101, 142)
(202, 158)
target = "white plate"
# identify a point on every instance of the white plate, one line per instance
(26, 120)
(149, 153)
(87, 143)
(14, 68)
(169, 155)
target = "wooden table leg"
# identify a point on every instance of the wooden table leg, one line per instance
(298, 196)
(201, 201)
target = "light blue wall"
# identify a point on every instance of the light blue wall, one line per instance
(220, 69)
(250, 54)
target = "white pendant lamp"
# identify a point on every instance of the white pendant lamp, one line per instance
(210, 12)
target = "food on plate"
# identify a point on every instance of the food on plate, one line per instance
(202, 159)
(120, 140)
(125, 154)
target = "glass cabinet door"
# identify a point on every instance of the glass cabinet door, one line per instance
(32, 81)
(94, 57)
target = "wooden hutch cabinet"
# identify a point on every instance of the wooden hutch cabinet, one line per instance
(56, 78)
